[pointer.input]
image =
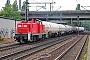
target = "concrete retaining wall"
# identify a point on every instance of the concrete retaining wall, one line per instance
(7, 27)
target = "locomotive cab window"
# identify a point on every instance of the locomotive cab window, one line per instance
(37, 22)
(40, 22)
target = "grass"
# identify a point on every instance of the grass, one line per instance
(85, 56)
(6, 41)
(1, 39)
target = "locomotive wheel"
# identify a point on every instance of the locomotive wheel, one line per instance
(26, 41)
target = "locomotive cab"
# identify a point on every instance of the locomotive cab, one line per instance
(29, 31)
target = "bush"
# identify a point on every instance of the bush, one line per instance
(85, 56)
(1, 39)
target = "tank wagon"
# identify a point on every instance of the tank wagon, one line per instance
(80, 29)
(36, 29)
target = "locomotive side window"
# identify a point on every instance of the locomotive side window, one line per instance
(36, 21)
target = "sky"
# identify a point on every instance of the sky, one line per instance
(59, 5)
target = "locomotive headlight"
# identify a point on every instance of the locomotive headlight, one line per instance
(25, 25)
(19, 25)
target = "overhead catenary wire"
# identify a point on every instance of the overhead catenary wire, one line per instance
(55, 11)
(85, 8)
(77, 1)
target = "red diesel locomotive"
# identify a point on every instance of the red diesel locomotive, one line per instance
(30, 31)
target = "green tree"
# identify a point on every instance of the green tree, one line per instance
(15, 6)
(8, 3)
(10, 13)
(23, 6)
(86, 24)
(78, 7)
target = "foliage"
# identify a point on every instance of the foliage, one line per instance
(8, 3)
(23, 6)
(85, 56)
(72, 24)
(11, 11)
(1, 39)
(15, 6)
(86, 24)
(78, 7)
(66, 21)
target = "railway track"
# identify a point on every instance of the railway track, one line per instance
(73, 52)
(8, 45)
(52, 53)
(17, 45)
(29, 51)
(61, 50)
(49, 53)
(12, 46)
